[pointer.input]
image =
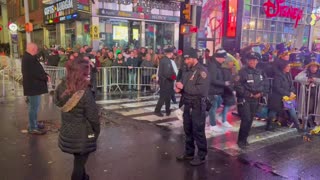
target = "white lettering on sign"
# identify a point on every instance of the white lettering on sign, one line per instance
(60, 6)
(49, 10)
(63, 5)
(62, 18)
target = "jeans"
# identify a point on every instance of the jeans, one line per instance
(216, 103)
(132, 80)
(225, 113)
(34, 103)
(292, 113)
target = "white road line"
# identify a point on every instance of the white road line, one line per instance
(132, 105)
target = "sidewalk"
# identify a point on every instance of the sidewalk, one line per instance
(128, 150)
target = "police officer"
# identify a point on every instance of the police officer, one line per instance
(167, 76)
(194, 87)
(250, 87)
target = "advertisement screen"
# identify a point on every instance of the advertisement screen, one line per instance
(135, 33)
(120, 33)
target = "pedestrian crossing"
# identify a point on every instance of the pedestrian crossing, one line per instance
(141, 109)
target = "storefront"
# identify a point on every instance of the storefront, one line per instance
(67, 23)
(234, 24)
(133, 25)
(315, 26)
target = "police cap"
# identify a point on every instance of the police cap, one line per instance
(169, 50)
(253, 56)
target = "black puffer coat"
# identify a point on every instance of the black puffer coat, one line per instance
(80, 126)
(282, 86)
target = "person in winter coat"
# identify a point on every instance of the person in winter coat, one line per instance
(80, 126)
(34, 81)
(282, 86)
(167, 76)
(217, 86)
(147, 64)
(309, 80)
(228, 98)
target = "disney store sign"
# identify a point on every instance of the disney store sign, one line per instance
(277, 9)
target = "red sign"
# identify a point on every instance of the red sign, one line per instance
(277, 10)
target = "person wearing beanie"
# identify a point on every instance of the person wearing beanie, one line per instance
(167, 76)
(217, 86)
(310, 77)
(282, 87)
(194, 89)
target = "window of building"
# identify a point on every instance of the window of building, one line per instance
(33, 5)
(159, 35)
(21, 7)
(120, 33)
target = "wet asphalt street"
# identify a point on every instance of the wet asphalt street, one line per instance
(134, 150)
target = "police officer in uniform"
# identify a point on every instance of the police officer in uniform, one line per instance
(194, 87)
(250, 87)
(167, 76)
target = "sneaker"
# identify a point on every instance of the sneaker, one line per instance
(198, 161)
(184, 158)
(216, 129)
(37, 132)
(227, 124)
(219, 120)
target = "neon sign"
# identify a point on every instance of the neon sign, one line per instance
(277, 10)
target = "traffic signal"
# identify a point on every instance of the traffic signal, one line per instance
(187, 12)
(188, 29)
(29, 27)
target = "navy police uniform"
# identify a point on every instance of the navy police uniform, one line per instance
(195, 91)
(167, 77)
(251, 82)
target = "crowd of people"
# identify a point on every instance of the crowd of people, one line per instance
(205, 83)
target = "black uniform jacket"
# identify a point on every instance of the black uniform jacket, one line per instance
(167, 76)
(195, 82)
(252, 81)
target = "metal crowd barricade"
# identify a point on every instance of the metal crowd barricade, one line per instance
(9, 78)
(56, 74)
(308, 101)
(121, 78)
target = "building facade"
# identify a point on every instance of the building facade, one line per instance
(16, 14)
(67, 22)
(234, 24)
(133, 24)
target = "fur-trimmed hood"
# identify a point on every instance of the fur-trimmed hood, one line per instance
(68, 102)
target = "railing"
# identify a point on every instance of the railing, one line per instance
(117, 78)
(308, 97)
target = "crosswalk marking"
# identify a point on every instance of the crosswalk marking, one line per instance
(142, 110)
(105, 102)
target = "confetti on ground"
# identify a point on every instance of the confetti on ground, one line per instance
(105, 170)
(29, 164)
(24, 131)
(50, 162)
